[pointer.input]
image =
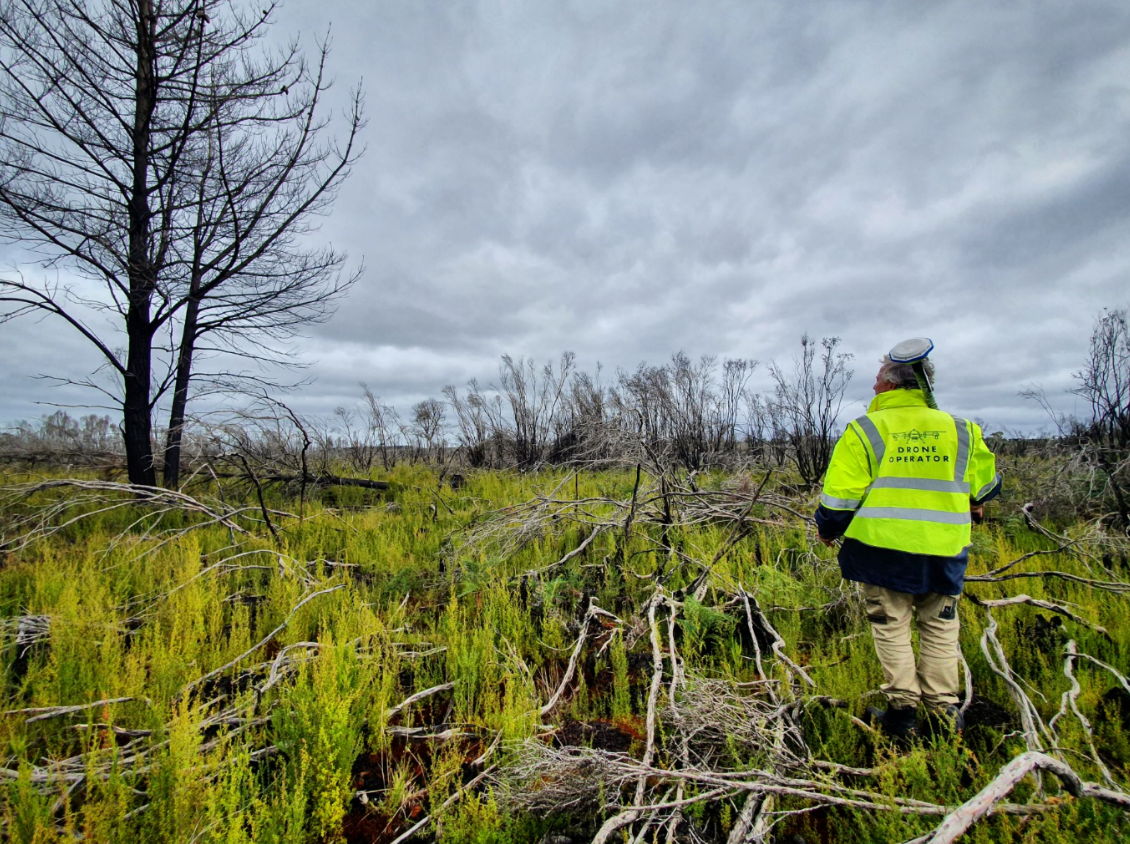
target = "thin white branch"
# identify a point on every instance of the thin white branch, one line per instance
(408, 701)
(262, 641)
(572, 666)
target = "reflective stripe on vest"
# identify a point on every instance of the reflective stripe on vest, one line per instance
(873, 437)
(962, 449)
(924, 484)
(840, 503)
(987, 487)
(915, 514)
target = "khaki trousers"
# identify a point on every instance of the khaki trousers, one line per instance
(934, 679)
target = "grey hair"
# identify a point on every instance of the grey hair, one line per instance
(902, 374)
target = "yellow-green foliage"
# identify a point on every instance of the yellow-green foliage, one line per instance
(255, 756)
(317, 726)
(176, 786)
(621, 690)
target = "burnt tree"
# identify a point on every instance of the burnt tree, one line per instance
(163, 160)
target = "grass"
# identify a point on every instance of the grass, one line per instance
(240, 759)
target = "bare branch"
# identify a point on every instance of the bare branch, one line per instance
(957, 822)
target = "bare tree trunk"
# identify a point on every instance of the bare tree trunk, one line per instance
(171, 474)
(137, 420)
(137, 417)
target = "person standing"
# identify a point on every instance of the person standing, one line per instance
(903, 487)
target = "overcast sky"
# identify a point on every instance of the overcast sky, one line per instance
(626, 180)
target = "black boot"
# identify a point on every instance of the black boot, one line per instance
(953, 711)
(900, 723)
(946, 720)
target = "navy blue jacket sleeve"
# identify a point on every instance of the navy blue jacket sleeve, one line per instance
(993, 492)
(831, 524)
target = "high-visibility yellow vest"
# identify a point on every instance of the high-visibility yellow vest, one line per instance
(909, 473)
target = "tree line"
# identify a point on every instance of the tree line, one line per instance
(692, 414)
(695, 414)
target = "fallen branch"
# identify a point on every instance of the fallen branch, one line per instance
(572, 666)
(753, 638)
(740, 833)
(1105, 585)
(450, 801)
(261, 642)
(281, 660)
(983, 802)
(778, 642)
(116, 730)
(42, 524)
(1030, 721)
(313, 479)
(422, 733)
(1063, 543)
(737, 534)
(1117, 674)
(1071, 697)
(629, 816)
(408, 701)
(1036, 602)
(569, 770)
(259, 495)
(968, 675)
(835, 703)
(596, 531)
(1041, 553)
(28, 629)
(42, 713)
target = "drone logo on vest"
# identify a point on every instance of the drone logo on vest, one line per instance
(916, 446)
(916, 436)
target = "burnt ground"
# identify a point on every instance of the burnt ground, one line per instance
(599, 735)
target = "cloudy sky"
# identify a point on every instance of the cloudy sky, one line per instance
(626, 180)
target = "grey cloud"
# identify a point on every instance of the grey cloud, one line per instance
(721, 178)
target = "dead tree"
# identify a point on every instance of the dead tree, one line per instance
(806, 404)
(427, 427)
(262, 176)
(479, 423)
(535, 402)
(268, 443)
(681, 407)
(586, 414)
(1104, 383)
(154, 151)
(60, 439)
(374, 430)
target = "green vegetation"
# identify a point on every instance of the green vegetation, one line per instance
(458, 593)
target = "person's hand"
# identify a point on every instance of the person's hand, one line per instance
(831, 543)
(977, 513)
